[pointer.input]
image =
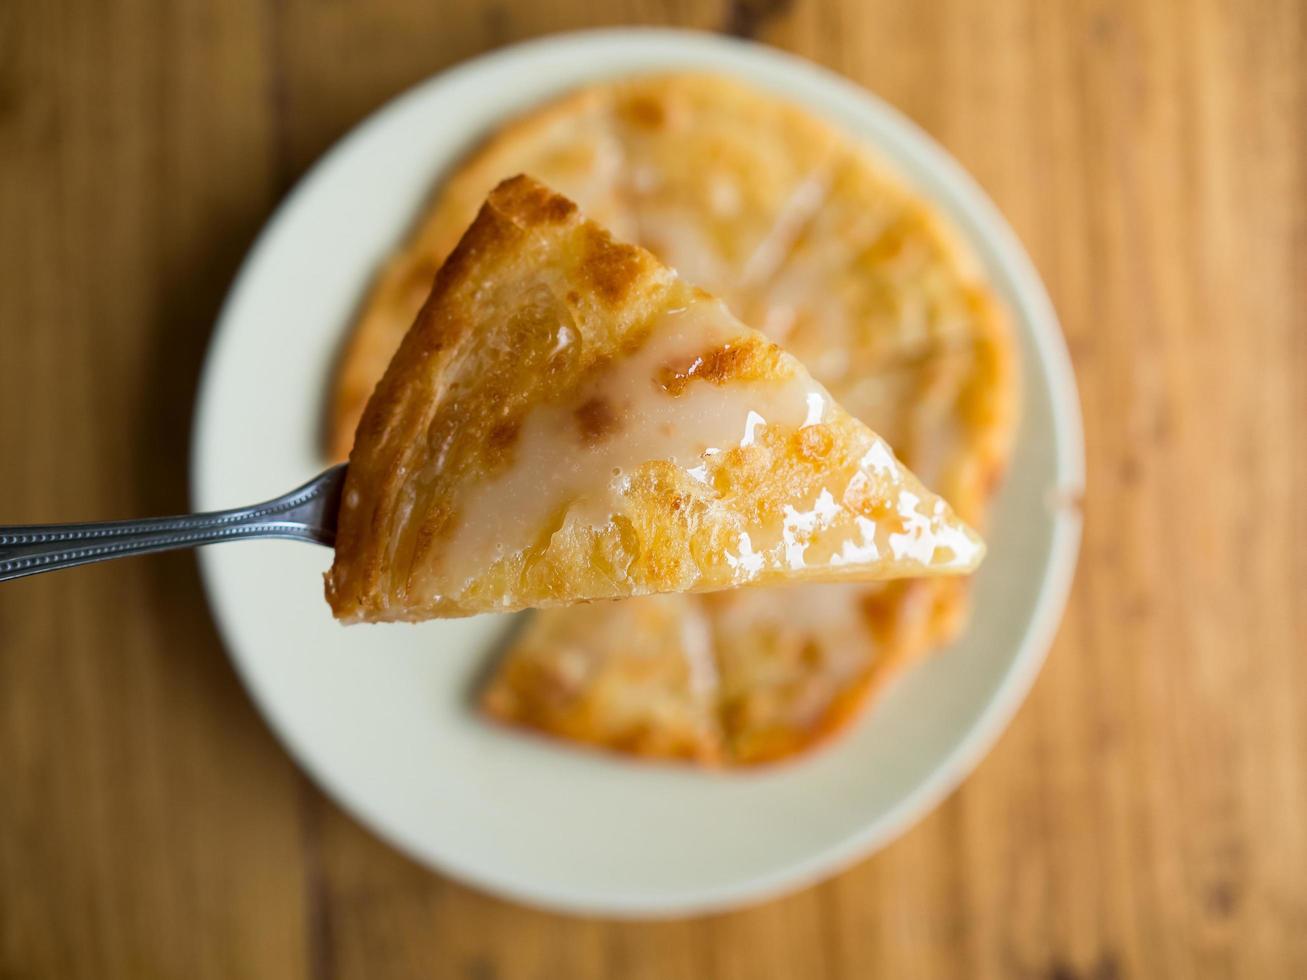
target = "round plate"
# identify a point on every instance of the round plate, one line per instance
(381, 716)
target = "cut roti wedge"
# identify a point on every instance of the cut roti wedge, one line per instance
(719, 178)
(739, 677)
(635, 676)
(567, 420)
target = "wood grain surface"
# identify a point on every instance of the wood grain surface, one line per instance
(1144, 816)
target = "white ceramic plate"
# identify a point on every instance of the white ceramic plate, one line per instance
(380, 715)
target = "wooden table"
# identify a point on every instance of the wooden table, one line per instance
(1145, 815)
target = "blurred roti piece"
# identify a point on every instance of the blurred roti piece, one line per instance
(719, 176)
(637, 676)
(797, 665)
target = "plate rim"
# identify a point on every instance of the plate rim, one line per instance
(985, 222)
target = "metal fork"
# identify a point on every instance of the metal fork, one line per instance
(305, 514)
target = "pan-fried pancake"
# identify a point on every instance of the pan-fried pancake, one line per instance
(568, 420)
(868, 287)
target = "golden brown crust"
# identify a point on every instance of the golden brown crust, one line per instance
(387, 313)
(414, 408)
(722, 363)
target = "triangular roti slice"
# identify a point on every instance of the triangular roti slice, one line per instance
(567, 420)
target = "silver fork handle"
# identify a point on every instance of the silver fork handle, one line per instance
(305, 514)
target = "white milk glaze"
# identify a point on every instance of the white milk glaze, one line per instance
(555, 467)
